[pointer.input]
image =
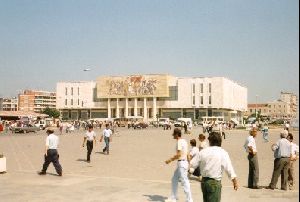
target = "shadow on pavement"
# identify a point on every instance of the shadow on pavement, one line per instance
(157, 198)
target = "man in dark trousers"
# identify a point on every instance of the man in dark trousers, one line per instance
(250, 147)
(51, 154)
(90, 138)
(282, 155)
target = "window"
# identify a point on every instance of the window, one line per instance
(194, 88)
(201, 88)
(71, 101)
(201, 100)
(209, 100)
(66, 91)
(78, 91)
(193, 99)
(78, 102)
(66, 102)
(72, 91)
(209, 87)
(251, 110)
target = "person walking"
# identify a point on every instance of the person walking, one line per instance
(282, 154)
(194, 152)
(213, 160)
(265, 132)
(89, 138)
(182, 168)
(294, 157)
(250, 147)
(51, 154)
(107, 138)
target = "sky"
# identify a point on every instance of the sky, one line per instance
(254, 43)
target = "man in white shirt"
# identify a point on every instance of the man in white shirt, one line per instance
(294, 157)
(107, 138)
(51, 154)
(213, 160)
(90, 138)
(250, 147)
(182, 168)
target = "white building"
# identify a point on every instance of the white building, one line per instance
(150, 96)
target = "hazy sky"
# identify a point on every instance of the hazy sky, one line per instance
(255, 43)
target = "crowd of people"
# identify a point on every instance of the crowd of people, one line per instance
(206, 162)
(209, 160)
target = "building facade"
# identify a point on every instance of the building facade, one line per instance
(36, 101)
(151, 96)
(10, 104)
(285, 107)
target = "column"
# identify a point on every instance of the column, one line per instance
(154, 110)
(145, 110)
(117, 110)
(126, 108)
(108, 108)
(135, 107)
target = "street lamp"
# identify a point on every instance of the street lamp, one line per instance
(256, 105)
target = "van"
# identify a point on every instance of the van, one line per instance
(185, 120)
(161, 121)
(41, 124)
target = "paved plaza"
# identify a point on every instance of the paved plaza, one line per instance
(133, 172)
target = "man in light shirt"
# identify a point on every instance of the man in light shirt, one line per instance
(213, 160)
(282, 154)
(90, 138)
(51, 154)
(107, 138)
(181, 171)
(294, 157)
(250, 147)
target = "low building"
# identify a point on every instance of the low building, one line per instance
(283, 108)
(152, 96)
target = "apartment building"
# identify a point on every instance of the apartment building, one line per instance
(9, 104)
(285, 107)
(36, 101)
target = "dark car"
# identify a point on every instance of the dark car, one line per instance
(25, 129)
(140, 125)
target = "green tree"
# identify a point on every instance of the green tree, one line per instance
(51, 112)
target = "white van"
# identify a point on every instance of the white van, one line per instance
(41, 124)
(185, 120)
(162, 121)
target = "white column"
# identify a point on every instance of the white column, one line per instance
(117, 110)
(135, 107)
(145, 109)
(154, 110)
(108, 108)
(126, 107)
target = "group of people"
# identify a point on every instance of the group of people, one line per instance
(207, 161)
(211, 160)
(51, 154)
(285, 154)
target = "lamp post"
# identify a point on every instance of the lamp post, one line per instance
(256, 106)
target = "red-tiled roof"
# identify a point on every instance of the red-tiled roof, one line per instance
(257, 105)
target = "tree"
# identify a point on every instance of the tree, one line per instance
(51, 112)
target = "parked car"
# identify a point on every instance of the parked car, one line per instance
(25, 129)
(140, 125)
(177, 124)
